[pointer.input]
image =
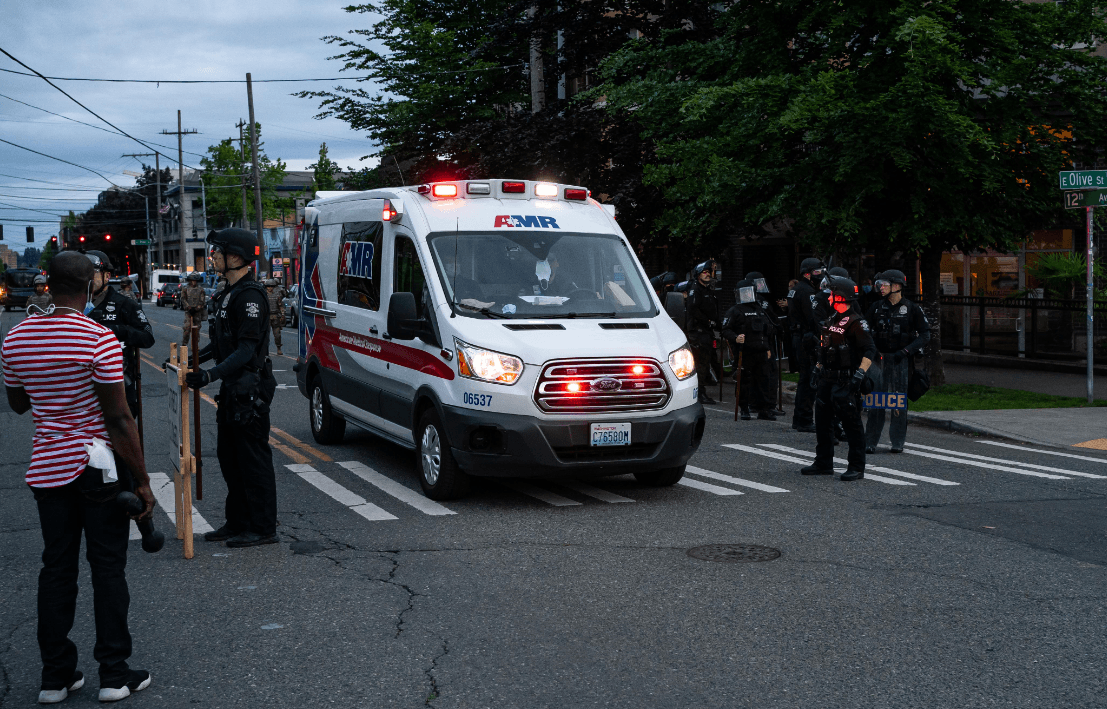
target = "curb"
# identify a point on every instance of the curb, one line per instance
(958, 427)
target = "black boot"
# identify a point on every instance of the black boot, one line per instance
(705, 399)
(814, 469)
(746, 413)
(765, 416)
(853, 473)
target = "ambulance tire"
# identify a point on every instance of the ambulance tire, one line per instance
(439, 474)
(660, 478)
(327, 427)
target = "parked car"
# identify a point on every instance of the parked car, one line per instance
(168, 293)
(16, 286)
(291, 301)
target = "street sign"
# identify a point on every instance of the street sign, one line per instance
(1085, 198)
(140, 242)
(1083, 179)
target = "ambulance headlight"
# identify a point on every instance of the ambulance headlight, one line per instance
(682, 363)
(486, 365)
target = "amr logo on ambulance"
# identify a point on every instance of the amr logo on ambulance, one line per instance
(356, 259)
(529, 220)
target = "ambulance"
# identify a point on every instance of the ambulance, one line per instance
(499, 328)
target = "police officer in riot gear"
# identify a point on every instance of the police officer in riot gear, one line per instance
(702, 308)
(194, 304)
(804, 329)
(748, 328)
(124, 317)
(41, 299)
(846, 352)
(240, 345)
(775, 310)
(900, 330)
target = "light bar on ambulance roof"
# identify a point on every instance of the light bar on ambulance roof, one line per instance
(576, 193)
(514, 187)
(545, 189)
(389, 212)
(444, 190)
(478, 188)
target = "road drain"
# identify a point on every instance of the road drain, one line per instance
(734, 552)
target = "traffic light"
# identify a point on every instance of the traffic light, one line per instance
(1, 232)
(82, 239)
(30, 235)
(54, 240)
(107, 237)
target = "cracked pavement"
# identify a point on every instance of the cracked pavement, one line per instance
(992, 592)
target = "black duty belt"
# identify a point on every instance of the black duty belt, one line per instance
(836, 375)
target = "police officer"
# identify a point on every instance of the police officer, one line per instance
(846, 352)
(194, 303)
(805, 332)
(702, 317)
(276, 294)
(124, 317)
(127, 289)
(239, 344)
(41, 299)
(823, 309)
(900, 330)
(748, 328)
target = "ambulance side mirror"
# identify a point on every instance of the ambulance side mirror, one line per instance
(403, 322)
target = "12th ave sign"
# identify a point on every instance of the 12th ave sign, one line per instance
(1083, 179)
(1086, 198)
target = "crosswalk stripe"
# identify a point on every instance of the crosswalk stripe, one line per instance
(732, 480)
(162, 486)
(400, 492)
(989, 466)
(707, 487)
(1012, 462)
(343, 495)
(594, 492)
(876, 468)
(1039, 450)
(551, 498)
(806, 461)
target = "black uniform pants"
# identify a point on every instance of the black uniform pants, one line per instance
(805, 391)
(703, 354)
(756, 372)
(834, 399)
(84, 505)
(246, 461)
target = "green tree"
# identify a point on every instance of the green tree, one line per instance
(48, 253)
(910, 126)
(324, 170)
(226, 167)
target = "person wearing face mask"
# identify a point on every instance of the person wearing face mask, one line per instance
(702, 308)
(41, 300)
(239, 344)
(845, 353)
(124, 317)
(901, 330)
(748, 329)
(802, 302)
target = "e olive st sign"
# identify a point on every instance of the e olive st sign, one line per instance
(1083, 179)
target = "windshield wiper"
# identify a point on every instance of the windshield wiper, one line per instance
(571, 315)
(483, 311)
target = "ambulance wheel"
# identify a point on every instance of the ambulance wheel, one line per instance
(326, 426)
(660, 478)
(439, 474)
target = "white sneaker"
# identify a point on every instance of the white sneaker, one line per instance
(53, 696)
(139, 680)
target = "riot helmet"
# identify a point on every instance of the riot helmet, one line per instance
(235, 241)
(99, 260)
(195, 276)
(811, 267)
(832, 273)
(843, 293)
(707, 266)
(40, 280)
(664, 282)
(759, 283)
(745, 291)
(891, 278)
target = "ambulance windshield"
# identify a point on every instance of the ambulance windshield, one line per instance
(540, 275)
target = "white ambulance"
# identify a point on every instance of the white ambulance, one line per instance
(498, 328)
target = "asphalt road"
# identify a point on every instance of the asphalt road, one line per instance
(975, 579)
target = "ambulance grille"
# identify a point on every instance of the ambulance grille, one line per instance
(602, 385)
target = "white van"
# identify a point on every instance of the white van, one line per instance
(499, 328)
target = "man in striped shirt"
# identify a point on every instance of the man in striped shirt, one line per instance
(68, 371)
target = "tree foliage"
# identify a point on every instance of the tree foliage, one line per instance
(226, 168)
(324, 171)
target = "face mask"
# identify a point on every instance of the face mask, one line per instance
(88, 300)
(866, 289)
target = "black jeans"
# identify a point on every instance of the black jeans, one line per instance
(756, 375)
(88, 505)
(246, 461)
(834, 399)
(803, 414)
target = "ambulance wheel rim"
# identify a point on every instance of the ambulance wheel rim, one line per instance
(317, 408)
(431, 454)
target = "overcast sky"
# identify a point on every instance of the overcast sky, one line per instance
(274, 39)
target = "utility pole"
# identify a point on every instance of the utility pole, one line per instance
(263, 258)
(183, 267)
(157, 214)
(142, 287)
(537, 72)
(242, 151)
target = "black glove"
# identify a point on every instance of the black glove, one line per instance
(900, 355)
(856, 380)
(198, 379)
(165, 364)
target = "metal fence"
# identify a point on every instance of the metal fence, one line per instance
(1041, 328)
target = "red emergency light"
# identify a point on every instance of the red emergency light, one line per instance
(107, 237)
(389, 212)
(514, 187)
(444, 190)
(576, 193)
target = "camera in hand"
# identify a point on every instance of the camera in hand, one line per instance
(152, 539)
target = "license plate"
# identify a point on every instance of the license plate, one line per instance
(611, 434)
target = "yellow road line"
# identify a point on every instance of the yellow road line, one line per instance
(296, 457)
(301, 445)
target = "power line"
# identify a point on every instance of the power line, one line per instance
(58, 159)
(47, 182)
(50, 199)
(243, 81)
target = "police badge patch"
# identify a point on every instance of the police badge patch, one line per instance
(903, 310)
(253, 310)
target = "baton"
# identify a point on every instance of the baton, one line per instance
(138, 390)
(738, 382)
(779, 374)
(196, 408)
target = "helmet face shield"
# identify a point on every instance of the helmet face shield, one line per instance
(747, 294)
(760, 285)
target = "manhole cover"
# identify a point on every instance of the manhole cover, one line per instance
(306, 547)
(734, 552)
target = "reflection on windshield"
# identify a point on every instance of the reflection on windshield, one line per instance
(530, 275)
(21, 280)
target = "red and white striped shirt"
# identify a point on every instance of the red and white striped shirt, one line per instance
(56, 360)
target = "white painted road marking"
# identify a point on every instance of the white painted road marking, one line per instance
(1039, 450)
(1012, 462)
(877, 468)
(734, 481)
(989, 466)
(344, 496)
(400, 492)
(551, 498)
(803, 461)
(162, 486)
(706, 487)
(594, 492)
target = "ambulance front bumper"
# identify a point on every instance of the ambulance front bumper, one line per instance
(505, 445)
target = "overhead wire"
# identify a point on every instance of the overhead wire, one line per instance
(252, 80)
(94, 172)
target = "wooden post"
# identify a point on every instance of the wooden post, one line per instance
(196, 411)
(182, 455)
